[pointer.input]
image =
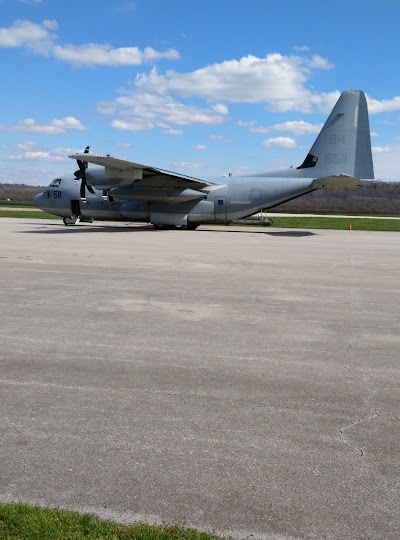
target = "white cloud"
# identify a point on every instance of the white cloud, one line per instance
(221, 109)
(139, 112)
(92, 54)
(277, 80)
(30, 151)
(41, 40)
(320, 62)
(54, 127)
(200, 147)
(218, 138)
(171, 131)
(186, 165)
(381, 149)
(386, 105)
(36, 37)
(282, 142)
(42, 156)
(297, 128)
(301, 48)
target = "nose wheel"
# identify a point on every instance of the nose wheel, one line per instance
(70, 220)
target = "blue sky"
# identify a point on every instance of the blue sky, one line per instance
(204, 88)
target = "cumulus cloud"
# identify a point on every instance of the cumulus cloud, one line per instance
(139, 112)
(276, 80)
(54, 127)
(200, 147)
(281, 142)
(41, 39)
(22, 33)
(386, 105)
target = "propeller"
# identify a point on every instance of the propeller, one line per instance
(80, 174)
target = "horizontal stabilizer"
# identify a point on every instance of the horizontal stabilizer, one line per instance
(340, 181)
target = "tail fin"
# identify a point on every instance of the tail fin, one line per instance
(344, 143)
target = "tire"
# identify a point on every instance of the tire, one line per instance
(69, 221)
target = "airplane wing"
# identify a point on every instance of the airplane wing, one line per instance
(122, 172)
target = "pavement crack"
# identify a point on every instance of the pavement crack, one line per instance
(343, 431)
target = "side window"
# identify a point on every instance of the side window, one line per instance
(220, 202)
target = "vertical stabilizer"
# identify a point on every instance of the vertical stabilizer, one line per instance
(344, 143)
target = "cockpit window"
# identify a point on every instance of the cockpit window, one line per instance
(56, 182)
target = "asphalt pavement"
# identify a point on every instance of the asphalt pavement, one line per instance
(239, 380)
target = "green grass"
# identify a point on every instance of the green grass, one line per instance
(16, 204)
(27, 214)
(24, 522)
(358, 224)
(327, 214)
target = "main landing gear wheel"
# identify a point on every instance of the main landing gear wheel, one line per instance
(192, 226)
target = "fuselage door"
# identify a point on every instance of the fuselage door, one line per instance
(220, 208)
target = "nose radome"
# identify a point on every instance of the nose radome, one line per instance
(37, 199)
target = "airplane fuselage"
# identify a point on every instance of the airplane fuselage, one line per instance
(237, 197)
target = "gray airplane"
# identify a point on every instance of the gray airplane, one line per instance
(121, 190)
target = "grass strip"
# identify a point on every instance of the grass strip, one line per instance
(25, 522)
(359, 224)
(27, 214)
(16, 204)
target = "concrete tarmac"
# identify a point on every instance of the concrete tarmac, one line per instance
(240, 380)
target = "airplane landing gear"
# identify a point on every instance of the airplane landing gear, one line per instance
(70, 220)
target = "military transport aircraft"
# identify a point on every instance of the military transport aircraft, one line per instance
(126, 191)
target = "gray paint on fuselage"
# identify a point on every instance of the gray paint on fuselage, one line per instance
(241, 196)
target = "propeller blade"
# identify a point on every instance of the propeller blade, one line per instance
(83, 186)
(80, 175)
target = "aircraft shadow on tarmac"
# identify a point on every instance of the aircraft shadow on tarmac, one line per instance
(79, 229)
(269, 233)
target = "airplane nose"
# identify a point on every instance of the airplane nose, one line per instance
(37, 199)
